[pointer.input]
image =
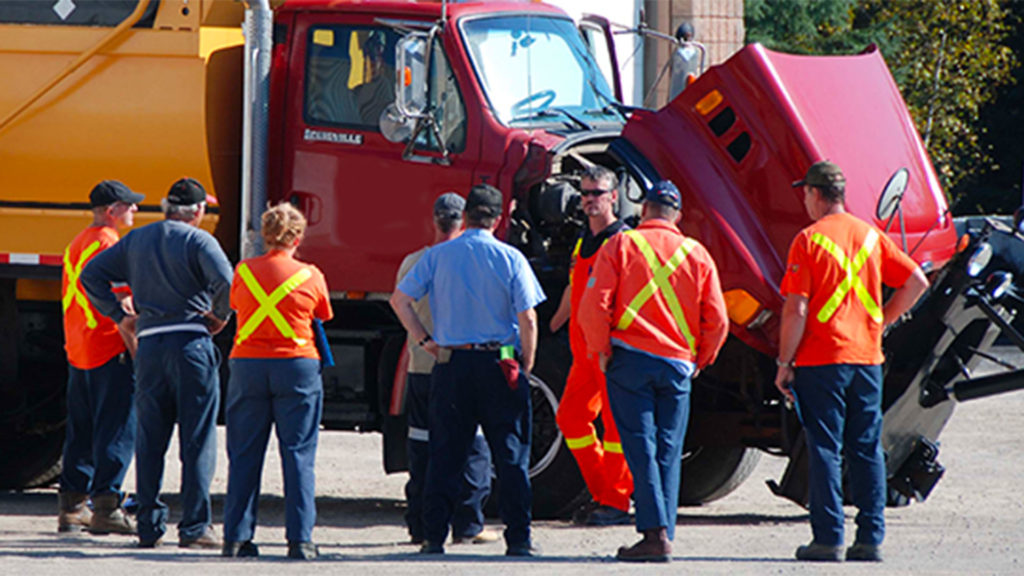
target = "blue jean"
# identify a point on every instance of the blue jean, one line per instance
(468, 517)
(467, 392)
(841, 410)
(288, 393)
(100, 436)
(650, 401)
(178, 381)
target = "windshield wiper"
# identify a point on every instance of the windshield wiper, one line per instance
(552, 112)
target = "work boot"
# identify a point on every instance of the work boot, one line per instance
(108, 516)
(654, 547)
(608, 516)
(74, 515)
(246, 549)
(864, 553)
(302, 551)
(582, 514)
(208, 540)
(815, 552)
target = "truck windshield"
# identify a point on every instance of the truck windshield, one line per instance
(536, 70)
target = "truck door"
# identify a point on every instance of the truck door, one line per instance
(367, 206)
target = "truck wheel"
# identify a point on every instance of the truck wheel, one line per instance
(712, 472)
(31, 460)
(558, 488)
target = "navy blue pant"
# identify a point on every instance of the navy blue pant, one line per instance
(288, 393)
(841, 409)
(468, 517)
(468, 391)
(650, 401)
(100, 437)
(178, 381)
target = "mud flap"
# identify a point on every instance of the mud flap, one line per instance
(793, 486)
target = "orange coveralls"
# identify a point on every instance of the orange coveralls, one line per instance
(603, 466)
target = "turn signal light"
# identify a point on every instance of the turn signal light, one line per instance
(709, 102)
(407, 76)
(741, 306)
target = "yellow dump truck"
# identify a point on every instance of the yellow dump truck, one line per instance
(143, 92)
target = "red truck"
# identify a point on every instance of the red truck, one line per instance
(375, 107)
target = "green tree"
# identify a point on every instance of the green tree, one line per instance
(947, 56)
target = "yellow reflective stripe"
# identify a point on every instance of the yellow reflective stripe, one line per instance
(613, 447)
(575, 256)
(268, 304)
(659, 282)
(852, 281)
(577, 443)
(73, 294)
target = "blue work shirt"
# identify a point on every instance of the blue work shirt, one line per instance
(477, 285)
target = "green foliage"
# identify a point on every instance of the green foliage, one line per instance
(949, 58)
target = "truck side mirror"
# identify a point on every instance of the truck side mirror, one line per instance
(411, 76)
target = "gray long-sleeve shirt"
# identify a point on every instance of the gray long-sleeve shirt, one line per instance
(176, 273)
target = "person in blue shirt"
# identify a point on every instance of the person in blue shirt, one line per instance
(180, 280)
(482, 293)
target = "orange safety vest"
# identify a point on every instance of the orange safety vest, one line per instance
(90, 339)
(276, 324)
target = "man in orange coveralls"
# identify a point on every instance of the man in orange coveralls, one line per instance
(585, 397)
(653, 312)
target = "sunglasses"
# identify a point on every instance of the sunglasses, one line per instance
(597, 192)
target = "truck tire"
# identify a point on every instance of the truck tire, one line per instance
(557, 485)
(712, 472)
(31, 460)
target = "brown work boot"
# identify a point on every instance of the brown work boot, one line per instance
(109, 517)
(654, 547)
(74, 515)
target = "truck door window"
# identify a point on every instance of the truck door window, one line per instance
(350, 75)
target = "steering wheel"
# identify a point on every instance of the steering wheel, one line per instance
(537, 100)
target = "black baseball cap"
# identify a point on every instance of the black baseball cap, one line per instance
(186, 192)
(666, 194)
(484, 200)
(822, 174)
(110, 191)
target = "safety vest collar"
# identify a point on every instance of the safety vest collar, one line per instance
(268, 303)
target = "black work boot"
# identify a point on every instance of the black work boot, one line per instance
(654, 547)
(109, 517)
(815, 552)
(74, 515)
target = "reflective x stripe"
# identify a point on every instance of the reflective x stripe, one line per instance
(268, 304)
(577, 443)
(852, 280)
(73, 294)
(613, 447)
(659, 282)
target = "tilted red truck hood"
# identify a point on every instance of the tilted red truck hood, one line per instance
(736, 139)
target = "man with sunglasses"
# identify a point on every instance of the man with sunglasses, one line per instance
(100, 436)
(585, 397)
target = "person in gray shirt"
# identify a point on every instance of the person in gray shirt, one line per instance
(180, 280)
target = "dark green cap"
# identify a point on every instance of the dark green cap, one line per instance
(822, 174)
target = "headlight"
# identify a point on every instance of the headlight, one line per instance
(998, 283)
(979, 260)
